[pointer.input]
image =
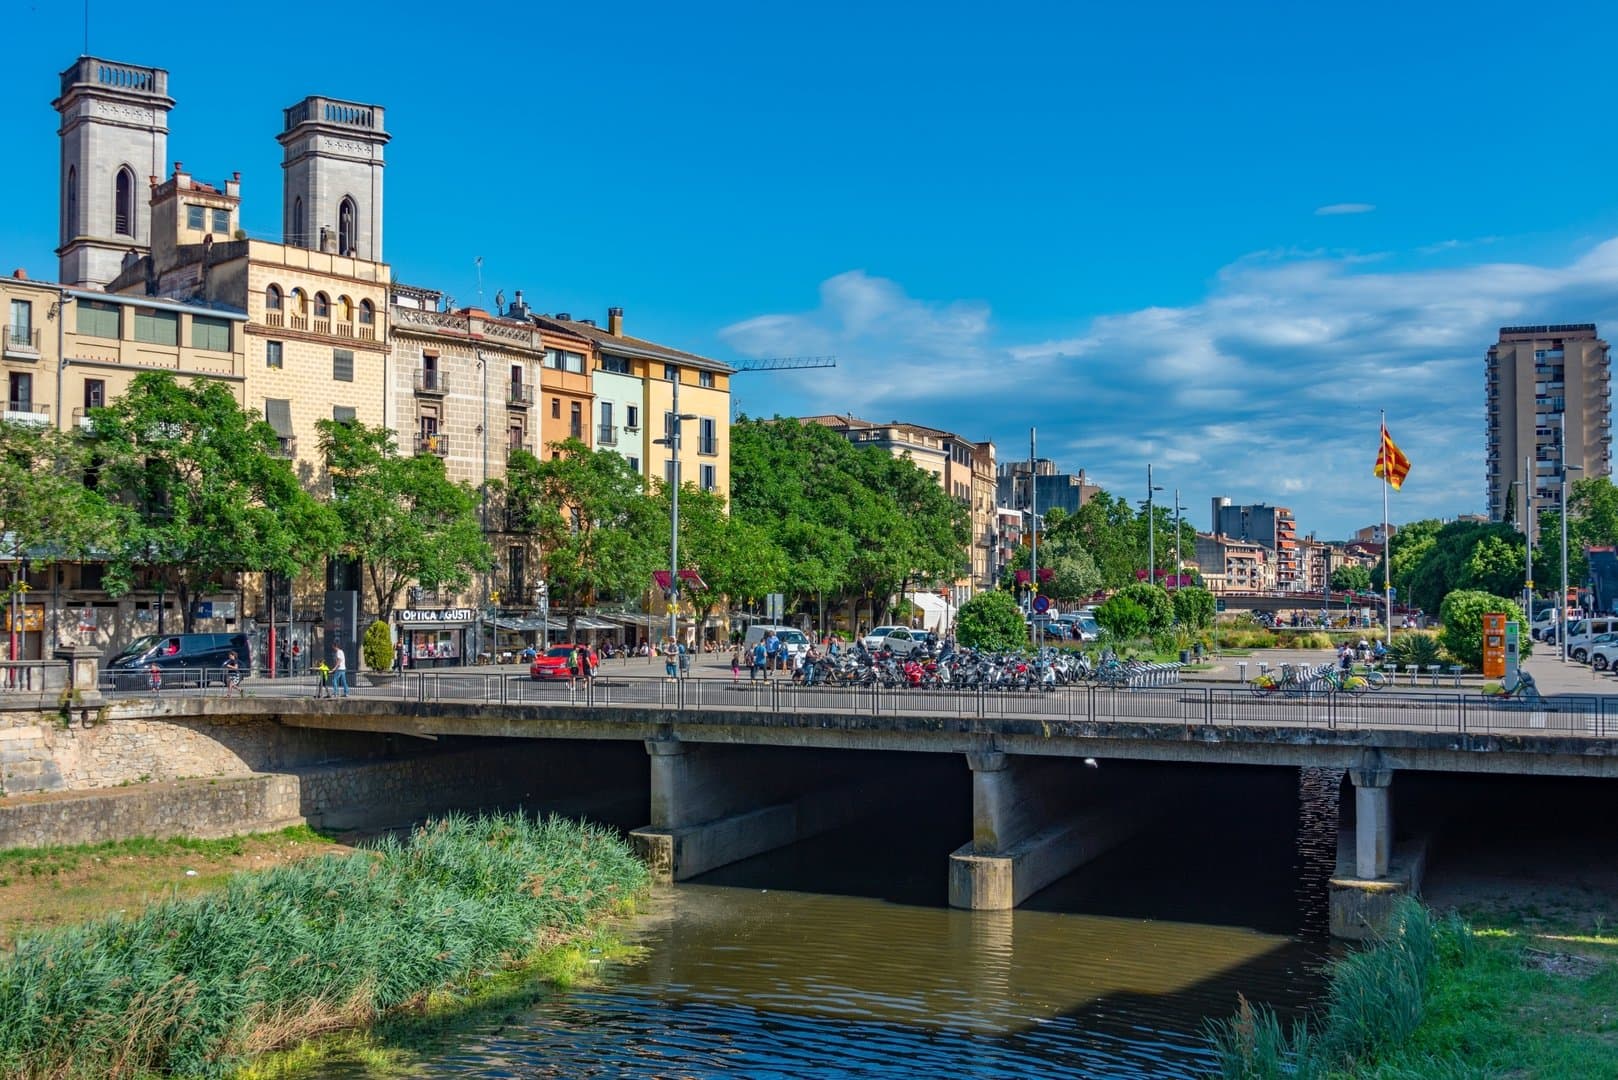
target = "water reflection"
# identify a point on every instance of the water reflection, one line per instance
(758, 971)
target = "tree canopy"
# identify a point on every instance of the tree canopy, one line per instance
(400, 514)
(200, 489)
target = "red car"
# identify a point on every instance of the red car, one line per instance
(552, 663)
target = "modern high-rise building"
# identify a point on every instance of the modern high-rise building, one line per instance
(1272, 527)
(1547, 392)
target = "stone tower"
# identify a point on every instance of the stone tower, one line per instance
(332, 189)
(114, 133)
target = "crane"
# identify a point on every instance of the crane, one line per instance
(783, 363)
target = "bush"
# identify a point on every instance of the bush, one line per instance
(1419, 647)
(991, 620)
(1123, 618)
(1193, 608)
(1155, 600)
(1462, 615)
(376, 648)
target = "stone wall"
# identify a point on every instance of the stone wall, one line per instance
(197, 808)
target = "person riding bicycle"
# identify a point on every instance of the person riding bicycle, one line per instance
(1379, 651)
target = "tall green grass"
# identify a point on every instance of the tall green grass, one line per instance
(1375, 999)
(195, 987)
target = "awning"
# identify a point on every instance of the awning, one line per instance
(278, 414)
(935, 610)
(521, 624)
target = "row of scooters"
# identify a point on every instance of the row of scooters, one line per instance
(970, 669)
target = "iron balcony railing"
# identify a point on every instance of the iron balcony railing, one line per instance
(431, 381)
(434, 443)
(606, 435)
(519, 395)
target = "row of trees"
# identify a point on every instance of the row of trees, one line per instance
(1103, 545)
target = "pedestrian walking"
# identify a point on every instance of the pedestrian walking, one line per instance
(685, 659)
(757, 665)
(233, 676)
(735, 665)
(325, 680)
(154, 676)
(573, 668)
(339, 671)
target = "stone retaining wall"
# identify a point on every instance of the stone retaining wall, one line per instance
(202, 809)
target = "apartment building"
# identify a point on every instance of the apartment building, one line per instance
(1230, 565)
(1270, 526)
(1548, 403)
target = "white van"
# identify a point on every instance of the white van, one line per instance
(792, 639)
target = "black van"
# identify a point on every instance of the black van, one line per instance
(199, 656)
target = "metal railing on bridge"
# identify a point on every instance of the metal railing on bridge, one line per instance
(1190, 706)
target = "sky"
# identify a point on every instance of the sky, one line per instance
(1216, 239)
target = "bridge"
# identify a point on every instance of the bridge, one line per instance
(736, 769)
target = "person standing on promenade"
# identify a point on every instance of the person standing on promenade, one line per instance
(339, 671)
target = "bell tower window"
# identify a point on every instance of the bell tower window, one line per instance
(346, 227)
(297, 237)
(123, 202)
(71, 225)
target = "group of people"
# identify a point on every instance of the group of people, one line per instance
(1363, 652)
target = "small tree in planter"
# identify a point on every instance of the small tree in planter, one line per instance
(377, 647)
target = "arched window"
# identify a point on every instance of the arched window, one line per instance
(322, 306)
(297, 238)
(123, 202)
(70, 227)
(272, 298)
(367, 313)
(346, 227)
(300, 302)
(345, 309)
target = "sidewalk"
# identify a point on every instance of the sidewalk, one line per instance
(1551, 675)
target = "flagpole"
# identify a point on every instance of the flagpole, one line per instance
(1387, 558)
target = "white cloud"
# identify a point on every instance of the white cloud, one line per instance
(1267, 389)
(1344, 208)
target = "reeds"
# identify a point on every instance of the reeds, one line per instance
(193, 987)
(1375, 999)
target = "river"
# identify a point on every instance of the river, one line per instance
(839, 957)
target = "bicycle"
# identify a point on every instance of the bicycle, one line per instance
(1525, 689)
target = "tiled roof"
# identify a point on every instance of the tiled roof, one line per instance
(631, 346)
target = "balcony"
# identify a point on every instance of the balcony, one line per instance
(22, 341)
(275, 318)
(25, 412)
(432, 443)
(606, 435)
(322, 326)
(519, 395)
(286, 447)
(513, 448)
(431, 381)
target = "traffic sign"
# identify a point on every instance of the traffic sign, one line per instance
(1042, 604)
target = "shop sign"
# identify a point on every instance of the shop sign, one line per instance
(434, 616)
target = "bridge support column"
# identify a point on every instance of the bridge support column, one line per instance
(714, 805)
(1372, 872)
(1028, 829)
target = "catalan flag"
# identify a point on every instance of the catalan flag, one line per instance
(1391, 463)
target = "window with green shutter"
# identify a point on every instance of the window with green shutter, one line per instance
(157, 327)
(97, 318)
(342, 365)
(210, 333)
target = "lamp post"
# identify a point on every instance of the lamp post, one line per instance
(542, 593)
(672, 441)
(1179, 567)
(1151, 528)
(1561, 599)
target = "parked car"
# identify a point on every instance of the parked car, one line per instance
(200, 657)
(794, 643)
(1582, 634)
(552, 663)
(901, 639)
(1604, 655)
(1078, 625)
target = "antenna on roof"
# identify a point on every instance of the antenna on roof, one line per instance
(86, 28)
(479, 260)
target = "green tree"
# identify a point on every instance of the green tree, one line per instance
(1193, 608)
(401, 515)
(1592, 521)
(595, 525)
(1462, 615)
(201, 489)
(376, 647)
(991, 620)
(1351, 577)
(735, 559)
(1123, 617)
(1154, 600)
(46, 511)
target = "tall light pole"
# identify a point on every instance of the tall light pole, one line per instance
(1561, 599)
(1151, 528)
(1179, 567)
(672, 441)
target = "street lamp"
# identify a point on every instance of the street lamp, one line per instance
(672, 441)
(1179, 567)
(1151, 527)
(1561, 600)
(542, 595)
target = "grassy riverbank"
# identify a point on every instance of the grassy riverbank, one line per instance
(198, 986)
(1439, 998)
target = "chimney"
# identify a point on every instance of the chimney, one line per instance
(19, 274)
(615, 321)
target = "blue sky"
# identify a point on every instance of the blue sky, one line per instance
(1216, 240)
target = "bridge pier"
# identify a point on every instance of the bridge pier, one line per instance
(1373, 872)
(1029, 828)
(712, 805)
